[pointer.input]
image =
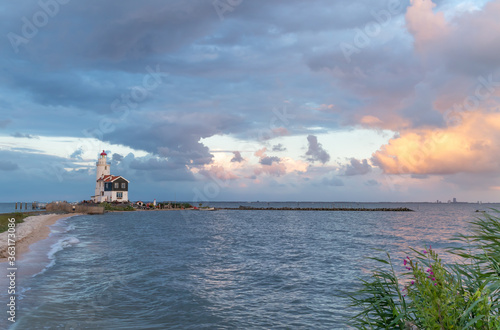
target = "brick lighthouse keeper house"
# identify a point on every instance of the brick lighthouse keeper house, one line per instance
(109, 188)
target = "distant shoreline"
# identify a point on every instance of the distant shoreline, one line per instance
(382, 209)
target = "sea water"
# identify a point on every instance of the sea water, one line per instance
(226, 269)
(16, 207)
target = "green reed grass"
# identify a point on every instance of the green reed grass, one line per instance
(4, 219)
(434, 295)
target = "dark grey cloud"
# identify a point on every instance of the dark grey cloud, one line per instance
(104, 53)
(279, 147)
(151, 164)
(23, 135)
(338, 15)
(372, 183)
(269, 160)
(46, 176)
(161, 170)
(237, 157)
(176, 139)
(357, 167)
(7, 165)
(114, 31)
(77, 154)
(117, 157)
(315, 151)
(41, 170)
(334, 182)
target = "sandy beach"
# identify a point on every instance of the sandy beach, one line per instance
(33, 229)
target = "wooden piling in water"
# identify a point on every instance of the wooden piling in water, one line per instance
(16, 205)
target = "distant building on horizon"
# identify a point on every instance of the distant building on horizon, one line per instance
(454, 200)
(109, 188)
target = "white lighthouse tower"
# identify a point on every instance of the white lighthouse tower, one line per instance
(109, 188)
(103, 168)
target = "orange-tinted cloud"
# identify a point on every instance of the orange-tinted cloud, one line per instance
(470, 147)
(218, 172)
(371, 121)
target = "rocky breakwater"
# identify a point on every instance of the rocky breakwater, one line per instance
(382, 209)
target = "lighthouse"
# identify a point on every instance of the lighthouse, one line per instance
(109, 188)
(103, 168)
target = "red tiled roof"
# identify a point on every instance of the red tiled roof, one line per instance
(111, 178)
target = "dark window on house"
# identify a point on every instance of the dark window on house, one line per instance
(119, 195)
(117, 185)
(123, 185)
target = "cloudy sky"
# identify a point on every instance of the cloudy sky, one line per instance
(329, 100)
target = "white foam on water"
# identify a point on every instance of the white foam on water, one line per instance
(56, 247)
(22, 291)
(62, 230)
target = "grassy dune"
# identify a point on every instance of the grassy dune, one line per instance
(4, 219)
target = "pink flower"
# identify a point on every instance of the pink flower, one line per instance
(425, 251)
(433, 278)
(404, 262)
(431, 273)
(435, 284)
(412, 282)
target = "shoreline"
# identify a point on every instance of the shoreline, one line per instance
(33, 229)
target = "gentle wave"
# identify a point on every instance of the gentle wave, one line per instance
(56, 247)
